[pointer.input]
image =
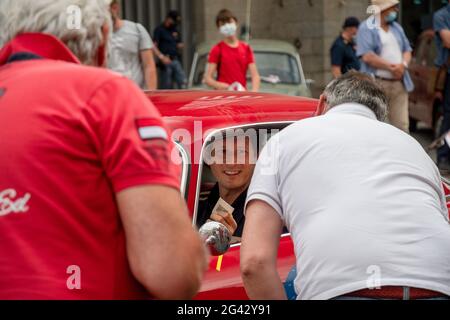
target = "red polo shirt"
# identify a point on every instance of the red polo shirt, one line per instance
(71, 137)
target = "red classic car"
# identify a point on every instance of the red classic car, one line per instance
(194, 117)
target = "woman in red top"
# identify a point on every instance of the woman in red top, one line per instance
(231, 58)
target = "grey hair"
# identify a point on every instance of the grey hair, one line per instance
(356, 87)
(50, 16)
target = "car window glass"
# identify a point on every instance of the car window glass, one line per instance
(277, 67)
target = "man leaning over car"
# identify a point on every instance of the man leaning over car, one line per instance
(363, 201)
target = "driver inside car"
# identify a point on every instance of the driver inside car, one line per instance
(232, 162)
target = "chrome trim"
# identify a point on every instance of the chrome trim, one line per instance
(185, 168)
(201, 163)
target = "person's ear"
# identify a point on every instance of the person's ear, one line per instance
(322, 108)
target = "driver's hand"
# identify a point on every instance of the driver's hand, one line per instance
(227, 220)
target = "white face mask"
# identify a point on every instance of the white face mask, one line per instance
(228, 29)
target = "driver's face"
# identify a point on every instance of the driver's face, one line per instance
(233, 164)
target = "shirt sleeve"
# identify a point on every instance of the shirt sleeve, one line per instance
(132, 143)
(337, 55)
(214, 55)
(145, 41)
(439, 22)
(251, 56)
(364, 42)
(264, 185)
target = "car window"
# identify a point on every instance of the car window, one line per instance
(213, 176)
(277, 67)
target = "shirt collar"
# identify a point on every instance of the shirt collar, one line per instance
(43, 45)
(353, 108)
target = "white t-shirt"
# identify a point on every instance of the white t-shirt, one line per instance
(363, 201)
(390, 51)
(125, 49)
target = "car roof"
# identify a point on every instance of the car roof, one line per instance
(257, 45)
(222, 109)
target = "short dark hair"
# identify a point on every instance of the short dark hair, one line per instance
(173, 14)
(225, 16)
(351, 22)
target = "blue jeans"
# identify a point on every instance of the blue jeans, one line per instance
(444, 151)
(173, 73)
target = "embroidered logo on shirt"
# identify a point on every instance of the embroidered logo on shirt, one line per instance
(11, 203)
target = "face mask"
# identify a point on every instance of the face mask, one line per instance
(391, 17)
(228, 29)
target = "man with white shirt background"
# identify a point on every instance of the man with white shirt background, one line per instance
(363, 201)
(385, 52)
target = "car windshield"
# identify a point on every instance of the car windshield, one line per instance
(273, 67)
(277, 67)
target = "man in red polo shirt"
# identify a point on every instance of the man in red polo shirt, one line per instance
(89, 200)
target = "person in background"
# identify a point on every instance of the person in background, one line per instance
(131, 51)
(441, 25)
(89, 194)
(343, 50)
(363, 201)
(386, 54)
(230, 59)
(169, 43)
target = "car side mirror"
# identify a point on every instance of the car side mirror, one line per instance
(216, 237)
